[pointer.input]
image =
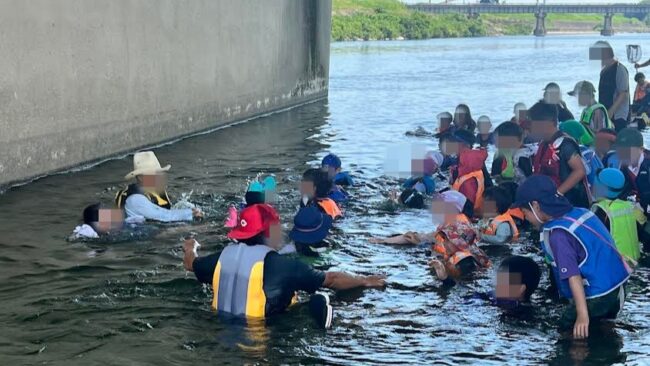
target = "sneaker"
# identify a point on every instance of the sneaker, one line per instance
(321, 310)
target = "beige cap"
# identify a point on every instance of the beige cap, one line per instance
(583, 87)
(146, 163)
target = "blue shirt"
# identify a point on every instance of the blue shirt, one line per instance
(139, 205)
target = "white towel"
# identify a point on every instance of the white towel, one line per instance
(84, 231)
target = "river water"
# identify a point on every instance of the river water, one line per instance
(132, 303)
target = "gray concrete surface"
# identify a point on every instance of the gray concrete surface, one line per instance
(82, 80)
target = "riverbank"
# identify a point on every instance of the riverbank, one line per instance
(390, 19)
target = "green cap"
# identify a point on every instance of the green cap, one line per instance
(629, 137)
(578, 131)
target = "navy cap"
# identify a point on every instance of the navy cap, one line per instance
(311, 226)
(461, 136)
(331, 160)
(542, 189)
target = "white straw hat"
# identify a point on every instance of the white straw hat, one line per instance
(146, 163)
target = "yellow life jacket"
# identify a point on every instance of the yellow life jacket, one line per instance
(494, 224)
(480, 179)
(238, 281)
(155, 198)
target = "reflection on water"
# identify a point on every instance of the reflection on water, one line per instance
(132, 303)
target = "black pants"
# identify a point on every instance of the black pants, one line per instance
(620, 124)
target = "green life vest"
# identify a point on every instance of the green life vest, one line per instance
(587, 114)
(508, 171)
(622, 226)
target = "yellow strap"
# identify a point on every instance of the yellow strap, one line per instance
(256, 299)
(215, 285)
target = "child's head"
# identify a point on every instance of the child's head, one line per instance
(331, 164)
(517, 278)
(520, 111)
(444, 121)
(605, 140)
(629, 146)
(543, 120)
(496, 201)
(258, 224)
(462, 116)
(639, 78)
(484, 124)
(446, 206)
(103, 219)
(585, 92)
(538, 198)
(509, 136)
(315, 184)
(311, 226)
(609, 184)
(552, 94)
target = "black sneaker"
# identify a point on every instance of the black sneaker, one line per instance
(321, 310)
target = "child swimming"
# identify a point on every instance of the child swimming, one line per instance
(500, 227)
(315, 187)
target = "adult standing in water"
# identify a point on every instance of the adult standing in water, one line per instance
(463, 118)
(148, 197)
(250, 279)
(614, 84)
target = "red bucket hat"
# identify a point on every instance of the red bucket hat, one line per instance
(254, 220)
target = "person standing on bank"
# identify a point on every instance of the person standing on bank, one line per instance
(614, 85)
(148, 197)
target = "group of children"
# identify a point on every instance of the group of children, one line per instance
(580, 183)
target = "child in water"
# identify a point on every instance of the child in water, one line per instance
(332, 165)
(102, 222)
(484, 137)
(453, 242)
(314, 189)
(421, 183)
(513, 159)
(500, 227)
(623, 218)
(310, 228)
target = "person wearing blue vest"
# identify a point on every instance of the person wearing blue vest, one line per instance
(587, 267)
(251, 279)
(332, 164)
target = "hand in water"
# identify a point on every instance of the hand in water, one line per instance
(375, 281)
(439, 267)
(190, 247)
(197, 213)
(412, 237)
(581, 327)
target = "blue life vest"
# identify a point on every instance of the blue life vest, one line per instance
(603, 270)
(611, 160)
(428, 181)
(343, 179)
(593, 165)
(338, 195)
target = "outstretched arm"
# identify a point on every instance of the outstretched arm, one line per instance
(409, 238)
(345, 281)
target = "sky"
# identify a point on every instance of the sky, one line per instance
(532, 1)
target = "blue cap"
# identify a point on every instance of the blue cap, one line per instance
(542, 189)
(311, 226)
(609, 183)
(331, 160)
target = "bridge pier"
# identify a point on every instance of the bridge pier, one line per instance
(608, 30)
(540, 27)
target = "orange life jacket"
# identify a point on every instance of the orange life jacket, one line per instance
(450, 260)
(640, 91)
(480, 180)
(462, 218)
(516, 213)
(330, 207)
(494, 224)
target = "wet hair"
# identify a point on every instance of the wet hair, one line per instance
(541, 111)
(499, 195)
(253, 198)
(255, 240)
(639, 76)
(510, 187)
(411, 198)
(470, 124)
(466, 266)
(529, 270)
(320, 179)
(91, 213)
(509, 129)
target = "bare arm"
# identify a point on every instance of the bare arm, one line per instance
(638, 66)
(576, 176)
(410, 238)
(190, 247)
(345, 281)
(622, 98)
(581, 327)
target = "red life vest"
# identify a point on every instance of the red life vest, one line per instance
(547, 160)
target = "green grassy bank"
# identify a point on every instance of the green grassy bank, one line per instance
(390, 19)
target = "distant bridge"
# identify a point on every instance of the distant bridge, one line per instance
(540, 11)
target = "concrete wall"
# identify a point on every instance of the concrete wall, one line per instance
(82, 80)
